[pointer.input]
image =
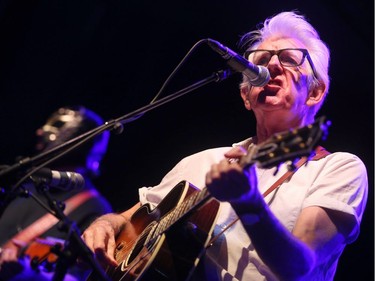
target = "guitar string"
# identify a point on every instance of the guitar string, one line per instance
(163, 224)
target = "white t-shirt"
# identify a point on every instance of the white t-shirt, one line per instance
(337, 182)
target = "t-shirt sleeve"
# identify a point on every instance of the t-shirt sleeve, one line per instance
(342, 185)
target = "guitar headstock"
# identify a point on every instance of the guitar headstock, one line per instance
(288, 145)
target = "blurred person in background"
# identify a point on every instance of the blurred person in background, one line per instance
(20, 223)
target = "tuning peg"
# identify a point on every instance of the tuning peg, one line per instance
(276, 170)
(291, 165)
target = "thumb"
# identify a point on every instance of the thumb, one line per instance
(19, 243)
(236, 152)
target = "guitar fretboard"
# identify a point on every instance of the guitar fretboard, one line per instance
(184, 208)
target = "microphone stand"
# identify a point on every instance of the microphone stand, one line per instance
(114, 124)
(80, 248)
(74, 247)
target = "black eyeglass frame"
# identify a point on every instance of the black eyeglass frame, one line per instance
(277, 52)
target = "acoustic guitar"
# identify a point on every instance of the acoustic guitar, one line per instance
(166, 243)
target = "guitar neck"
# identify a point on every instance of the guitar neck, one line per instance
(193, 202)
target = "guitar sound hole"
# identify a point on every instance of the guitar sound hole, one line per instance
(144, 242)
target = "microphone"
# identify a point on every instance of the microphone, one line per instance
(65, 181)
(257, 74)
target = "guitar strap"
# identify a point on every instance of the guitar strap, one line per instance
(320, 152)
(41, 225)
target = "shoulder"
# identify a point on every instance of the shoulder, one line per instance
(211, 152)
(341, 176)
(344, 160)
(205, 157)
(338, 167)
(216, 153)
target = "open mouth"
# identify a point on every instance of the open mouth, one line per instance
(275, 82)
(269, 91)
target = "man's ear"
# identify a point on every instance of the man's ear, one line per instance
(245, 92)
(316, 95)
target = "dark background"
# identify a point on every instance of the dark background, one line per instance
(113, 56)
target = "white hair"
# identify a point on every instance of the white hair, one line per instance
(293, 25)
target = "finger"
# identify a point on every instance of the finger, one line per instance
(87, 237)
(104, 258)
(8, 255)
(111, 250)
(104, 245)
(105, 252)
(236, 152)
(97, 245)
(19, 243)
(212, 174)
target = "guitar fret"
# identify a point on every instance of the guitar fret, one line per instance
(162, 225)
(182, 209)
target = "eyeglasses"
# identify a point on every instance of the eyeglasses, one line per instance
(290, 57)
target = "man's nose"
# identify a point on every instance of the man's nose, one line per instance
(274, 60)
(274, 66)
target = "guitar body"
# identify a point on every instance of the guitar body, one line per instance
(144, 254)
